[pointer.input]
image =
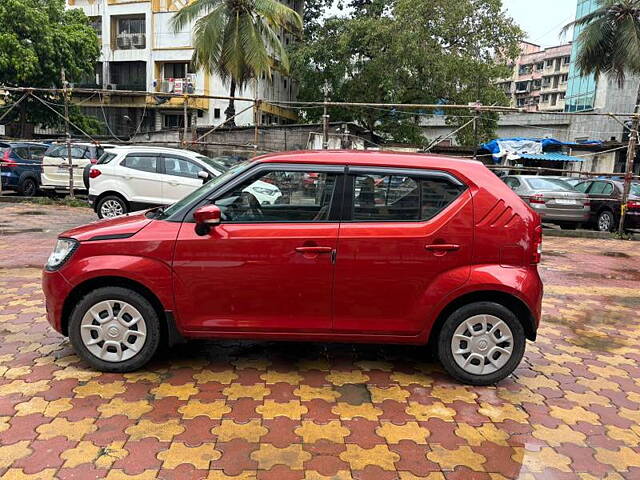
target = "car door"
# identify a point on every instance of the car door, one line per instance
(405, 241)
(139, 178)
(601, 195)
(265, 268)
(179, 177)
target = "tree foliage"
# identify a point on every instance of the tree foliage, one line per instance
(408, 51)
(38, 38)
(609, 40)
(238, 39)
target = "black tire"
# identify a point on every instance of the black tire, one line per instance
(606, 221)
(454, 320)
(28, 187)
(139, 302)
(111, 198)
(85, 176)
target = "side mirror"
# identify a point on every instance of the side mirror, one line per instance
(207, 217)
(204, 175)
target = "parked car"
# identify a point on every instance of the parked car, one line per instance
(553, 199)
(21, 164)
(127, 179)
(606, 198)
(55, 171)
(451, 264)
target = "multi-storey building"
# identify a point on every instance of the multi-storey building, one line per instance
(140, 51)
(539, 79)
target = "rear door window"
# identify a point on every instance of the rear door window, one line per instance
(37, 152)
(582, 187)
(143, 163)
(181, 167)
(380, 197)
(22, 152)
(601, 188)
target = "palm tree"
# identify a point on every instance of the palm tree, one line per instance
(238, 39)
(609, 44)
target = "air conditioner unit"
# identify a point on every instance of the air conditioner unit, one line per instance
(123, 41)
(112, 86)
(165, 86)
(139, 40)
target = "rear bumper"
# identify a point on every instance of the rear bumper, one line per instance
(562, 215)
(632, 219)
(56, 289)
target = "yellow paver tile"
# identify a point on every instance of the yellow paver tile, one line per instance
(163, 431)
(252, 431)
(311, 432)
(392, 392)
(461, 456)
(538, 461)
(559, 435)
(236, 391)
(178, 453)
(342, 378)
(571, 416)
(272, 376)
(269, 455)
(500, 413)
(393, 433)
(195, 408)
(119, 406)
(347, 411)
(434, 410)
(308, 393)
(182, 392)
(380, 456)
(12, 452)
(224, 377)
(65, 428)
(272, 409)
(103, 390)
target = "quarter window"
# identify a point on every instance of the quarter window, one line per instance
(142, 163)
(280, 196)
(601, 188)
(401, 198)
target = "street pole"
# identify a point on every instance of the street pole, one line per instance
(628, 176)
(65, 93)
(185, 111)
(256, 117)
(325, 118)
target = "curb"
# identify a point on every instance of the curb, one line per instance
(552, 232)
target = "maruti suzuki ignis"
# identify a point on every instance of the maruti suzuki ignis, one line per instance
(359, 247)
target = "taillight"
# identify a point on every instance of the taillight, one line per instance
(94, 172)
(537, 198)
(586, 202)
(633, 205)
(536, 246)
(7, 160)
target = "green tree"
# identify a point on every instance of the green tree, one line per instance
(609, 44)
(38, 38)
(408, 51)
(238, 39)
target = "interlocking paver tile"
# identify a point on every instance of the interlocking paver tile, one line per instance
(229, 410)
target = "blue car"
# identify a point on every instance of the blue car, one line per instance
(21, 166)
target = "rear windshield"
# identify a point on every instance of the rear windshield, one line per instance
(56, 151)
(548, 184)
(106, 158)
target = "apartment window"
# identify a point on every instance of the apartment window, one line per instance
(128, 75)
(175, 70)
(537, 84)
(173, 121)
(539, 65)
(522, 102)
(525, 69)
(130, 32)
(285, 83)
(564, 78)
(96, 24)
(545, 98)
(216, 113)
(554, 100)
(549, 63)
(562, 95)
(566, 60)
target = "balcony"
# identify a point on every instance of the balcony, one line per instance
(168, 5)
(131, 41)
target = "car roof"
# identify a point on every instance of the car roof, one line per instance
(152, 148)
(369, 158)
(23, 144)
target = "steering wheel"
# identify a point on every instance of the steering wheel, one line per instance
(246, 206)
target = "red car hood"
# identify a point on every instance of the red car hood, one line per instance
(124, 226)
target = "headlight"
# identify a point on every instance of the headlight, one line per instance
(265, 191)
(61, 253)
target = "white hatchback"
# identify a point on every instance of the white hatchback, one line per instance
(127, 179)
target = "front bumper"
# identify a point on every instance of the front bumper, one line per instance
(56, 290)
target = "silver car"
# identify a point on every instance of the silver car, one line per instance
(553, 199)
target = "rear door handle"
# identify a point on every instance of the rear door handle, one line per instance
(442, 247)
(314, 249)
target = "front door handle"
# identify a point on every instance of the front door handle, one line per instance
(314, 249)
(442, 247)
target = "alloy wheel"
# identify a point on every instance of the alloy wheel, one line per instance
(604, 222)
(113, 330)
(482, 344)
(111, 208)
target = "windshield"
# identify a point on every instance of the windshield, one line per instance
(204, 190)
(635, 189)
(220, 167)
(548, 184)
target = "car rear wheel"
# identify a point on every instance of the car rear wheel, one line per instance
(28, 187)
(481, 343)
(114, 329)
(605, 221)
(111, 206)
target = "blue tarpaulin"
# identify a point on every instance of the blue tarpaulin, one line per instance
(501, 147)
(551, 157)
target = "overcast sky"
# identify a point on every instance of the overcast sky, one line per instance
(542, 20)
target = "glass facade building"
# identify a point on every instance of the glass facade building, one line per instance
(581, 90)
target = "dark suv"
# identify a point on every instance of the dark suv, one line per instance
(605, 197)
(21, 165)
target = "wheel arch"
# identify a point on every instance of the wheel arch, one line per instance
(108, 193)
(168, 329)
(507, 300)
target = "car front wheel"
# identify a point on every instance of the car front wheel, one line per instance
(114, 329)
(111, 206)
(481, 343)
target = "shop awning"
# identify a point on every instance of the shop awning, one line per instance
(551, 157)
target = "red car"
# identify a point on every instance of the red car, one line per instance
(392, 248)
